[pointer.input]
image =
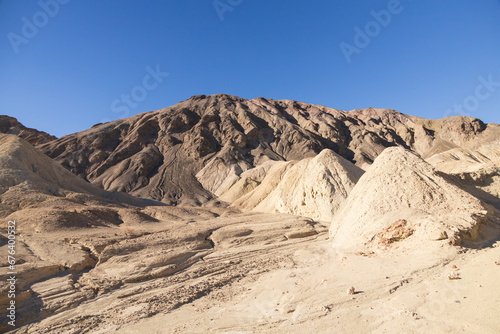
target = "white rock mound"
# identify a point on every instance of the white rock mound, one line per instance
(312, 187)
(218, 175)
(404, 196)
(257, 184)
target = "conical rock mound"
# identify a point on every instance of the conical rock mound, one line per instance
(311, 187)
(403, 195)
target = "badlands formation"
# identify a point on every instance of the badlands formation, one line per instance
(226, 215)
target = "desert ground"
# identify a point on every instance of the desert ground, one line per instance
(227, 272)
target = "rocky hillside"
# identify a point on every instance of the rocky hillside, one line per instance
(10, 125)
(184, 153)
(402, 200)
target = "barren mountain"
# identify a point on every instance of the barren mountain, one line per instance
(168, 154)
(10, 125)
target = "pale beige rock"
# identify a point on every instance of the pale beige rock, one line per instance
(400, 185)
(271, 180)
(247, 181)
(437, 235)
(313, 187)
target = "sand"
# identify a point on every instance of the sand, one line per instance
(259, 277)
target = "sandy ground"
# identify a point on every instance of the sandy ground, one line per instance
(310, 296)
(259, 273)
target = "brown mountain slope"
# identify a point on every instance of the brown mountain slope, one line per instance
(10, 125)
(159, 154)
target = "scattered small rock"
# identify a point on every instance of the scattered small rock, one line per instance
(401, 283)
(326, 308)
(393, 289)
(365, 253)
(455, 241)
(453, 275)
(438, 235)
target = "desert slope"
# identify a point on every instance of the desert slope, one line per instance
(49, 204)
(30, 180)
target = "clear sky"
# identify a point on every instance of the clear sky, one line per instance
(67, 65)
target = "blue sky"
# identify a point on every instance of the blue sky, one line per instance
(67, 65)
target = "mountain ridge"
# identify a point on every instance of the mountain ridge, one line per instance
(158, 154)
(10, 125)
